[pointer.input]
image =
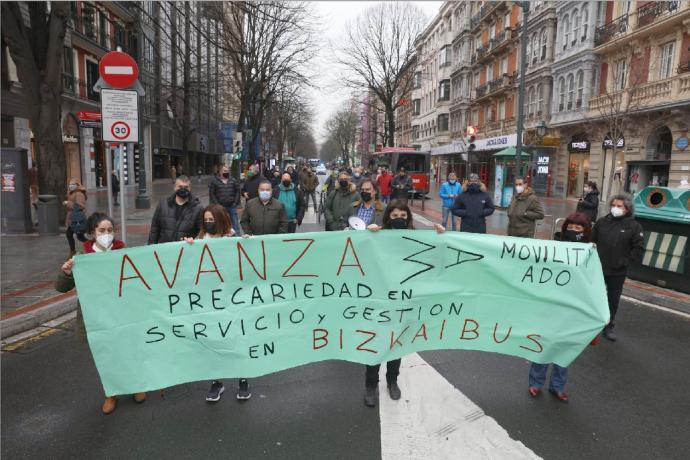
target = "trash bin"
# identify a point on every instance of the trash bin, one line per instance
(664, 214)
(48, 215)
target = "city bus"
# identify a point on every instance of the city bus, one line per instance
(314, 162)
(416, 163)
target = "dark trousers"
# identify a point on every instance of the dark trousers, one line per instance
(292, 226)
(70, 238)
(392, 372)
(614, 289)
(311, 194)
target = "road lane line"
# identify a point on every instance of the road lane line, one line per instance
(434, 420)
(658, 307)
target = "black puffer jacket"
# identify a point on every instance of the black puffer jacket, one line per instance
(589, 204)
(620, 240)
(165, 227)
(251, 186)
(473, 207)
(225, 194)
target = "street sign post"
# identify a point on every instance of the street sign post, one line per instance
(120, 114)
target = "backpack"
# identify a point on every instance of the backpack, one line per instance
(78, 219)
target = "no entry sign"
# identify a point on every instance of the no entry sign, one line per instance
(118, 69)
(120, 115)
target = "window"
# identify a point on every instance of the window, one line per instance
(566, 31)
(442, 122)
(68, 70)
(417, 80)
(504, 65)
(489, 72)
(492, 31)
(666, 60)
(415, 132)
(620, 74)
(529, 52)
(487, 114)
(544, 42)
(594, 86)
(535, 48)
(416, 107)
(585, 23)
(576, 26)
(540, 99)
(502, 109)
(103, 29)
(412, 161)
(91, 79)
(561, 94)
(580, 88)
(444, 57)
(571, 91)
(531, 102)
(506, 21)
(444, 90)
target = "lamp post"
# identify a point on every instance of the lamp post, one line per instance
(521, 87)
(541, 129)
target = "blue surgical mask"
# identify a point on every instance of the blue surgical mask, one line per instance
(264, 195)
(452, 181)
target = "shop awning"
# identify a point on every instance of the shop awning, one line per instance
(510, 152)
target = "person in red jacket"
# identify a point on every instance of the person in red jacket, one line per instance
(384, 181)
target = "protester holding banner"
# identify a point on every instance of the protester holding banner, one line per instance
(264, 215)
(102, 229)
(339, 202)
(397, 216)
(524, 211)
(620, 240)
(369, 208)
(473, 206)
(577, 228)
(177, 216)
(293, 200)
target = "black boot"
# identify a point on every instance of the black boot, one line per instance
(370, 396)
(609, 334)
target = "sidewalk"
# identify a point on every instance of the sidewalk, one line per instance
(555, 208)
(29, 263)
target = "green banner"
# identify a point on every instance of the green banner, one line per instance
(162, 315)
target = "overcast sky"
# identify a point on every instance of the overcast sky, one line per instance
(334, 17)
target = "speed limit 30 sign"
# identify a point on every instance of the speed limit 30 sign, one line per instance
(120, 110)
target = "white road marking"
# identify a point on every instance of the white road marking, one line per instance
(434, 420)
(658, 307)
(39, 329)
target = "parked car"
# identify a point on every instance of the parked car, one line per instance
(321, 170)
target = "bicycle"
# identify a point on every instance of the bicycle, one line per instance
(322, 202)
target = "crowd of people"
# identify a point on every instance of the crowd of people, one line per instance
(276, 202)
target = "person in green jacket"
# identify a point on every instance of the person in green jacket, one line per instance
(524, 211)
(339, 203)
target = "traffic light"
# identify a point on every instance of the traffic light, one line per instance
(237, 146)
(470, 138)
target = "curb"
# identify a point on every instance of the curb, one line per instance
(30, 320)
(656, 298)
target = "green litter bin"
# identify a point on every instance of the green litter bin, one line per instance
(664, 214)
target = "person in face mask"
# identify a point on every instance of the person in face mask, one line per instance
(264, 215)
(101, 228)
(473, 206)
(577, 228)
(339, 203)
(75, 220)
(368, 208)
(620, 241)
(357, 176)
(401, 185)
(293, 200)
(177, 216)
(397, 216)
(225, 191)
(589, 202)
(524, 211)
(309, 184)
(448, 192)
(250, 188)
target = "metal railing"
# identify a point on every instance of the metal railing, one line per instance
(615, 28)
(653, 11)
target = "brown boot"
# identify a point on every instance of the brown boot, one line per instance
(139, 397)
(109, 405)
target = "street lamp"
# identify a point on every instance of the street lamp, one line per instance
(541, 129)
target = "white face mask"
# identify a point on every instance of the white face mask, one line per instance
(105, 240)
(72, 187)
(617, 212)
(264, 195)
(519, 188)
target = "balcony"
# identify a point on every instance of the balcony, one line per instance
(684, 67)
(655, 11)
(650, 95)
(480, 91)
(611, 30)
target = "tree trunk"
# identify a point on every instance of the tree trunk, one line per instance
(390, 129)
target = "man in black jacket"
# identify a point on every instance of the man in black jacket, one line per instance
(177, 216)
(250, 188)
(620, 241)
(225, 191)
(401, 185)
(473, 206)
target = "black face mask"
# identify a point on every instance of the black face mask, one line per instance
(366, 196)
(572, 235)
(344, 184)
(182, 192)
(210, 227)
(286, 183)
(399, 223)
(226, 175)
(473, 187)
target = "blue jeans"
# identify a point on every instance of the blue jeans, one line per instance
(446, 212)
(385, 198)
(232, 210)
(559, 376)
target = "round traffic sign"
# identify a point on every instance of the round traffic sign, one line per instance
(118, 69)
(120, 130)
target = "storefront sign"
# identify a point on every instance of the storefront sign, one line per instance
(682, 143)
(70, 139)
(89, 116)
(578, 146)
(542, 164)
(608, 143)
(496, 143)
(457, 146)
